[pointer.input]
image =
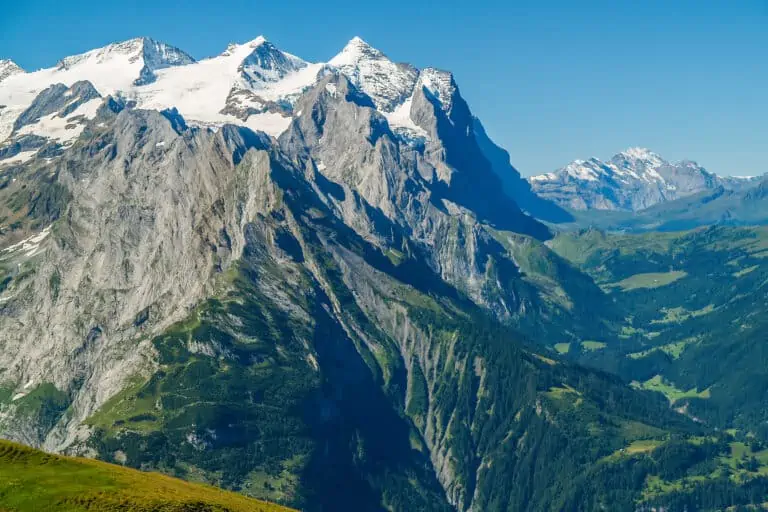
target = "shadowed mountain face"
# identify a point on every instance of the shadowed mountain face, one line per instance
(351, 315)
(514, 185)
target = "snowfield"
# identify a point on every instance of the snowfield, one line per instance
(252, 84)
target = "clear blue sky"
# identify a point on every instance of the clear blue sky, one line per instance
(551, 80)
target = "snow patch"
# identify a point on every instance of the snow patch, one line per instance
(61, 129)
(270, 123)
(19, 158)
(400, 118)
(550, 176)
(29, 246)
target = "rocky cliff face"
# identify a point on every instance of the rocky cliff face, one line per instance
(145, 225)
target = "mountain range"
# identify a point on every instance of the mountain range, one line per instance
(322, 284)
(632, 180)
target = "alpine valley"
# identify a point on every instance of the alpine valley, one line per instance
(324, 285)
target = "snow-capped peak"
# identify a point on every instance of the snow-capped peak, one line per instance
(355, 51)
(258, 41)
(639, 153)
(389, 84)
(634, 179)
(252, 83)
(266, 63)
(644, 155)
(639, 162)
(232, 48)
(141, 54)
(8, 68)
(631, 164)
(582, 170)
(139, 48)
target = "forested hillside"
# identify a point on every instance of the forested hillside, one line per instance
(695, 321)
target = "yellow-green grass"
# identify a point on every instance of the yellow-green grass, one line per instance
(634, 448)
(590, 345)
(656, 486)
(547, 360)
(395, 256)
(745, 271)
(734, 461)
(565, 396)
(642, 446)
(680, 314)
(672, 393)
(739, 453)
(562, 348)
(672, 349)
(648, 280)
(562, 391)
(579, 247)
(31, 480)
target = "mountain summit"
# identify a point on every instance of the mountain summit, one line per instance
(386, 82)
(9, 68)
(142, 52)
(634, 179)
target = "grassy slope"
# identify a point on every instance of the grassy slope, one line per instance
(32, 480)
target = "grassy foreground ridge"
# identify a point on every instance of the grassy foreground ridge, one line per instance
(35, 480)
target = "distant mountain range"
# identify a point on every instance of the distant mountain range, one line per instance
(719, 206)
(632, 180)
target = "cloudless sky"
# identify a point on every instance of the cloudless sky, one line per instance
(551, 80)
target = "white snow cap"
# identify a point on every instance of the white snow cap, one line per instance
(370, 70)
(8, 68)
(139, 48)
(252, 83)
(355, 51)
(640, 154)
(632, 164)
(253, 43)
